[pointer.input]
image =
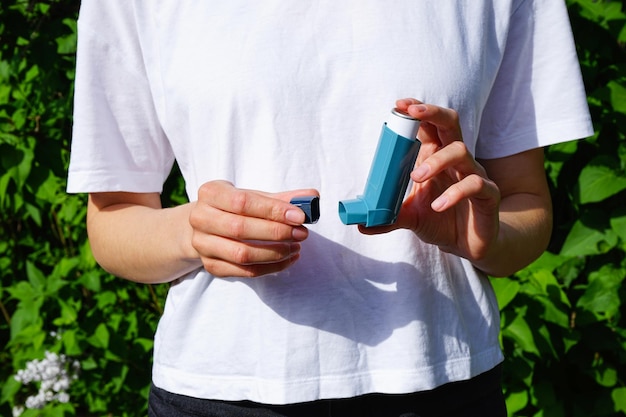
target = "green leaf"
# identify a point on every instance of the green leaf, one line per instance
(618, 222)
(91, 281)
(618, 96)
(32, 412)
(570, 340)
(23, 291)
(5, 180)
(19, 117)
(516, 401)
(67, 44)
(5, 71)
(34, 213)
(49, 189)
(118, 381)
(600, 179)
(506, 289)
(100, 338)
(145, 344)
(606, 376)
(70, 342)
(548, 261)
(88, 364)
(602, 294)
(601, 11)
(26, 324)
(543, 339)
(520, 332)
(16, 162)
(36, 278)
(5, 93)
(106, 298)
(584, 240)
(54, 284)
(31, 74)
(9, 389)
(545, 289)
(68, 315)
(619, 399)
(57, 409)
(555, 313)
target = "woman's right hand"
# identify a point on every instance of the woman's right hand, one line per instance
(246, 233)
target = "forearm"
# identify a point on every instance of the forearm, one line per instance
(143, 243)
(524, 234)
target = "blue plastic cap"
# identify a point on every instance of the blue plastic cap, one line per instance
(310, 205)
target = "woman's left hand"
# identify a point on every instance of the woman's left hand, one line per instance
(452, 203)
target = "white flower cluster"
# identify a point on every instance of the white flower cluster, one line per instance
(54, 377)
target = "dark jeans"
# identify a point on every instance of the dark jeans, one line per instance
(479, 397)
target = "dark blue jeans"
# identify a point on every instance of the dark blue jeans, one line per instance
(479, 397)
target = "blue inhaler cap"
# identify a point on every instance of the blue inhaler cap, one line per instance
(310, 205)
(389, 174)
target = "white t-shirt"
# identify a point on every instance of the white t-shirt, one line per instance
(277, 95)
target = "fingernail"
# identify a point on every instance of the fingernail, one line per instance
(420, 108)
(299, 233)
(294, 249)
(294, 258)
(295, 216)
(439, 203)
(420, 172)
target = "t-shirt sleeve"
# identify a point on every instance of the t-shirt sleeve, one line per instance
(118, 143)
(538, 97)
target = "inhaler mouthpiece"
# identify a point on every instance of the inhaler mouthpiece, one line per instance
(389, 174)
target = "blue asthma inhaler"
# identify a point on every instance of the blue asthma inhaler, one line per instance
(389, 174)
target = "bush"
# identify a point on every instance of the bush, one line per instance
(53, 297)
(563, 329)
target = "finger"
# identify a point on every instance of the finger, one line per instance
(243, 252)
(455, 156)
(289, 195)
(225, 197)
(475, 187)
(446, 123)
(223, 269)
(212, 221)
(404, 103)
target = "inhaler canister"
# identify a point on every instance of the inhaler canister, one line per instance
(389, 174)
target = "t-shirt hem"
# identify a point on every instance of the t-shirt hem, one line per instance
(273, 391)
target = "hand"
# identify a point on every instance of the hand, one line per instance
(246, 233)
(452, 203)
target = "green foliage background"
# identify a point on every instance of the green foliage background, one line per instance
(563, 318)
